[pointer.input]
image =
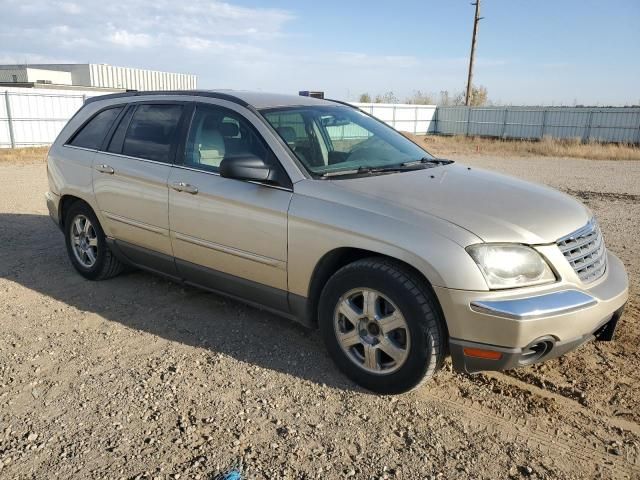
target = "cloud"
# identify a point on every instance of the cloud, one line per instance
(225, 44)
(139, 22)
(234, 50)
(70, 8)
(162, 34)
(130, 40)
(357, 59)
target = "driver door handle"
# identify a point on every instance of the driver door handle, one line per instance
(184, 187)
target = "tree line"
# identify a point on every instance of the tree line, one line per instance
(479, 96)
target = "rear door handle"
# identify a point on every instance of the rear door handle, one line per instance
(184, 187)
(105, 169)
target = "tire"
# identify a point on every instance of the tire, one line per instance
(417, 349)
(100, 263)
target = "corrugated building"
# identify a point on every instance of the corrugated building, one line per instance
(93, 76)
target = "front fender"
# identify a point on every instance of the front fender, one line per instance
(317, 226)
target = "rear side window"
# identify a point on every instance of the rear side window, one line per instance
(152, 132)
(94, 131)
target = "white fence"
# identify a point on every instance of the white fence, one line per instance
(36, 116)
(419, 119)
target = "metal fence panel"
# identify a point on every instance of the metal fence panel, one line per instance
(486, 121)
(615, 126)
(523, 123)
(581, 123)
(452, 121)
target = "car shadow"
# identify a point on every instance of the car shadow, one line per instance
(32, 254)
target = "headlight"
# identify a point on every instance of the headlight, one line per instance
(506, 266)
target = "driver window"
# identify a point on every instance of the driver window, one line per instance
(344, 135)
(217, 133)
(301, 135)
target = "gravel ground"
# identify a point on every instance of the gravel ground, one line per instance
(138, 377)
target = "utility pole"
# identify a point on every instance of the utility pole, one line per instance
(476, 19)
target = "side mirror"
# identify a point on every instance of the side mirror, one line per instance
(246, 167)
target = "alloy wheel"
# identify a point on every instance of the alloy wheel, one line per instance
(371, 331)
(84, 241)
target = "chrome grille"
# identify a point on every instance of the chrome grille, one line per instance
(585, 251)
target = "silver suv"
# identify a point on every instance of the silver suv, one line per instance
(321, 213)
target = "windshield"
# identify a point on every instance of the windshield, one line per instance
(338, 138)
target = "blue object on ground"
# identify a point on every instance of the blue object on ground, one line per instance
(232, 475)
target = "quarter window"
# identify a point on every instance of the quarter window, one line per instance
(152, 132)
(217, 133)
(93, 133)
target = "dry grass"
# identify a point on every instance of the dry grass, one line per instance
(23, 155)
(548, 147)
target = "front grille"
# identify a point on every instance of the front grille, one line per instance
(584, 250)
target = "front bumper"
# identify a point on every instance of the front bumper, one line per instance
(523, 328)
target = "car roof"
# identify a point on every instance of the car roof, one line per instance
(269, 100)
(258, 100)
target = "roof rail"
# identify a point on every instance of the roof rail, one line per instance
(341, 102)
(195, 93)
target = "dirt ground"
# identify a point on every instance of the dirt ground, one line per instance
(138, 377)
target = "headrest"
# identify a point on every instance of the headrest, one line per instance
(229, 129)
(287, 133)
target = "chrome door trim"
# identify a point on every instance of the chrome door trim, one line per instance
(272, 262)
(135, 223)
(168, 164)
(80, 148)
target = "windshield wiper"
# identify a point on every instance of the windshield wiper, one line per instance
(423, 160)
(365, 170)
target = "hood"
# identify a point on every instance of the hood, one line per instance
(495, 207)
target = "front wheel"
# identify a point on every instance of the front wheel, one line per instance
(382, 328)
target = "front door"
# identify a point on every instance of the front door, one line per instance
(228, 235)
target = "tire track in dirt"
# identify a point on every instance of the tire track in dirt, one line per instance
(610, 196)
(568, 403)
(544, 437)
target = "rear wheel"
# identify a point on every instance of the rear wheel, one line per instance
(86, 245)
(381, 326)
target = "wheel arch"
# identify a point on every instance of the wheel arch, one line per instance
(66, 201)
(337, 258)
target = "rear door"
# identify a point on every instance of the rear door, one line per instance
(130, 179)
(229, 235)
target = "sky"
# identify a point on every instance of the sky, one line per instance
(560, 52)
